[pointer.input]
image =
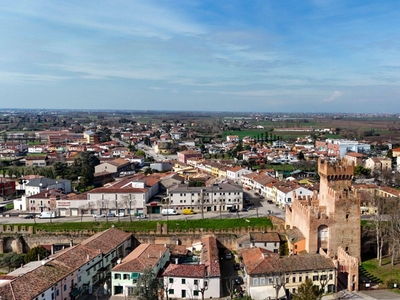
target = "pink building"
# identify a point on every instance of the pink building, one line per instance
(185, 155)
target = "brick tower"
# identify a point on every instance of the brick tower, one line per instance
(330, 222)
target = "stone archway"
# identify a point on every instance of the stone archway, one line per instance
(323, 237)
(11, 244)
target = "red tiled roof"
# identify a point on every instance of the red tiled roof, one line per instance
(193, 271)
(144, 256)
(209, 256)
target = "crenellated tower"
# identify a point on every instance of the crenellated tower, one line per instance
(331, 221)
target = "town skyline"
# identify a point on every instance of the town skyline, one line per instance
(309, 56)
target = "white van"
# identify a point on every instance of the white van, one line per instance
(168, 211)
(47, 215)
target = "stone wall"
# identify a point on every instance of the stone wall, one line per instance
(21, 239)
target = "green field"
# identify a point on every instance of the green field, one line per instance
(147, 225)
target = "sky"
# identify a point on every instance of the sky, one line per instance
(189, 55)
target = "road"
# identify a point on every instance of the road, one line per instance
(260, 210)
(158, 157)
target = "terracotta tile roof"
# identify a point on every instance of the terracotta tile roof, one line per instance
(107, 240)
(261, 261)
(144, 256)
(209, 256)
(191, 271)
(178, 250)
(264, 237)
(76, 256)
(294, 235)
(118, 162)
(35, 282)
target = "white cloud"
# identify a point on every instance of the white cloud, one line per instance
(335, 95)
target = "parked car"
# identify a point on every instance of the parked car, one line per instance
(142, 216)
(239, 280)
(111, 215)
(270, 201)
(244, 209)
(121, 214)
(236, 266)
(228, 255)
(99, 216)
(29, 217)
(233, 209)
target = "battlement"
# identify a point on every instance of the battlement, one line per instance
(338, 170)
(336, 193)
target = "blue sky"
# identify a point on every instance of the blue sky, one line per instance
(219, 55)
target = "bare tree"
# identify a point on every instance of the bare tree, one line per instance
(393, 219)
(129, 201)
(280, 278)
(202, 200)
(380, 226)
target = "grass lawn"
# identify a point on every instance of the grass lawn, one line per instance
(387, 273)
(146, 225)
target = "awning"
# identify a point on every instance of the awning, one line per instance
(263, 292)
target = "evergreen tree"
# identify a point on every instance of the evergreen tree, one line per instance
(147, 286)
(307, 291)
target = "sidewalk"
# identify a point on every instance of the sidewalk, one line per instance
(366, 295)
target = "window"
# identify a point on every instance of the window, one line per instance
(171, 280)
(270, 280)
(126, 276)
(183, 281)
(300, 279)
(324, 277)
(294, 279)
(65, 287)
(171, 291)
(196, 282)
(330, 276)
(195, 293)
(255, 281)
(117, 276)
(262, 281)
(287, 279)
(315, 278)
(293, 290)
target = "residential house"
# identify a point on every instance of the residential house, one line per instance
(115, 166)
(71, 272)
(41, 184)
(130, 195)
(232, 138)
(235, 173)
(36, 161)
(218, 198)
(196, 281)
(125, 274)
(263, 269)
(378, 164)
(266, 240)
(183, 156)
(296, 241)
(354, 157)
(286, 191)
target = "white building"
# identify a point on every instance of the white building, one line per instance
(221, 197)
(235, 173)
(285, 193)
(191, 281)
(124, 276)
